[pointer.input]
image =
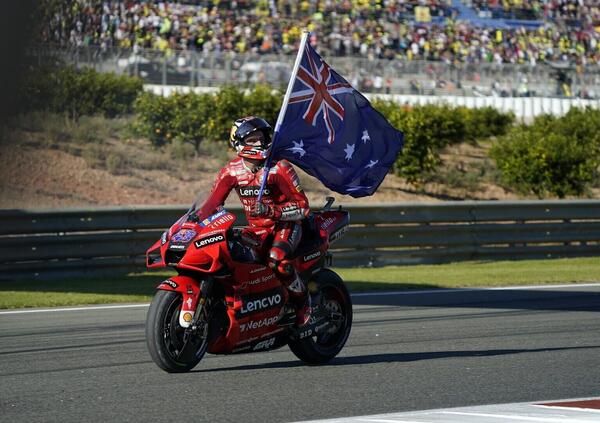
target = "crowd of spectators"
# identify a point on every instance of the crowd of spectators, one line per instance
(580, 13)
(367, 28)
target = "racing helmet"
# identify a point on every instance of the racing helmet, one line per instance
(242, 129)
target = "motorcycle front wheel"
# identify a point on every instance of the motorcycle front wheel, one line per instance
(165, 336)
(334, 298)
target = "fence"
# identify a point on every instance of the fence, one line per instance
(86, 243)
(368, 75)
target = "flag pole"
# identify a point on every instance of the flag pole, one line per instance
(282, 111)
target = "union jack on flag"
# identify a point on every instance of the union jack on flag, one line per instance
(320, 89)
(333, 133)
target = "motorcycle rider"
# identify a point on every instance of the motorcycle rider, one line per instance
(277, 216)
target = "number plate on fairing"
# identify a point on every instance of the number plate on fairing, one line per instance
(184, 236)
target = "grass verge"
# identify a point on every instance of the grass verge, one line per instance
(140, 287)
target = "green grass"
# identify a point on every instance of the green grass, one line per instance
(474, 274)
(140, 287)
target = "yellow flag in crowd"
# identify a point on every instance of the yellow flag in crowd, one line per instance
(422, 14)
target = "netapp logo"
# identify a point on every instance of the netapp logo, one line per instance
(208, 241)
(258, 324)
(253, 191)
(312, 256)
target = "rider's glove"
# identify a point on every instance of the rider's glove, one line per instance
(193, 218)
(262, 210)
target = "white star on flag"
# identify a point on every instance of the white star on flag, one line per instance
(349, 151)
(298, 148)
(372, 163)
(365, 136)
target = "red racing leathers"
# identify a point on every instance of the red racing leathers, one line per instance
(286, 201)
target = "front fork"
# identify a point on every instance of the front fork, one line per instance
(200, 317)
(194, 295)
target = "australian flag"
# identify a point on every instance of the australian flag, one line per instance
(333, 133)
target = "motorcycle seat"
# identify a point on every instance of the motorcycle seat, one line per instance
(311, 239)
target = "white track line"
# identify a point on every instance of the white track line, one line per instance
(462, 290)
(494, 413)
(360, 294)
(49, 310)
(518, 418)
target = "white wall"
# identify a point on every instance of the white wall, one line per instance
(525, 108)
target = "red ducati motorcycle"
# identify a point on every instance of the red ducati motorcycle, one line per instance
(225, 300)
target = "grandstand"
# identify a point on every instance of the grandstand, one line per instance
(468, 47)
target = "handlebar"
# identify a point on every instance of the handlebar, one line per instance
(328, 204)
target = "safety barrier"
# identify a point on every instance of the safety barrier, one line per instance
(94, 242)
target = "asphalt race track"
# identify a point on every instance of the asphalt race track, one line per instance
(405, 352)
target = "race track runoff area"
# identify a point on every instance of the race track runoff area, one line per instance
(573, 411)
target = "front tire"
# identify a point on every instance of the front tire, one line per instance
(164, 334)
(335, 298)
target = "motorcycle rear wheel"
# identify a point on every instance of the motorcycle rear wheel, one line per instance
(164, 334)
(334, 296)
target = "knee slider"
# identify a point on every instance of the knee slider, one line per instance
(275, 257)
(285, 268)
(276, 254)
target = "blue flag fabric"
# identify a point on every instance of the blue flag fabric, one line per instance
(333, 133)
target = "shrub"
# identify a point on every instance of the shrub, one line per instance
(181, 151)
(426, 129)
(154, 118)
(429, 128)
(229, 104)
(264, 102)
(558, 157)
(485, 122)
(94, 156)
(193, 118)
(115, 164)
(191, 113)
(66, 89)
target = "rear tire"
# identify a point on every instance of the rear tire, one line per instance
(334, 297)
(164, 334)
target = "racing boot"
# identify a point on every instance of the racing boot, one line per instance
(300, 297)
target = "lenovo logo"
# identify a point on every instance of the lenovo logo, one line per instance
(312, 256)
(260, 302)
(252, 191)
(208, 241)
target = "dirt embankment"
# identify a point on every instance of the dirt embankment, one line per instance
(57, 170)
